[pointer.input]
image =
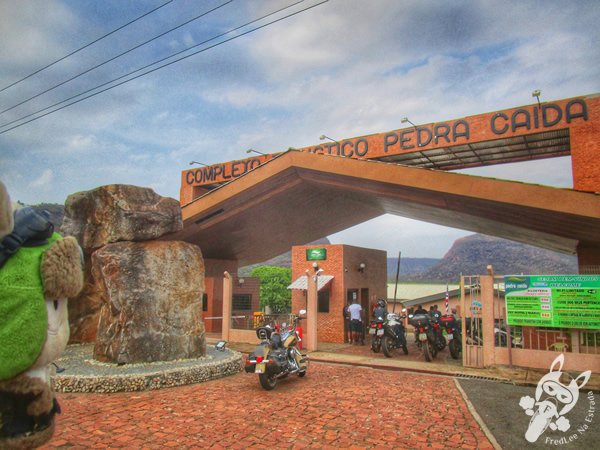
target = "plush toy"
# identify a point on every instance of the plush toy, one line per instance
(38, 272)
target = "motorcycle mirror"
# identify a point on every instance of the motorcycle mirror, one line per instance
(302, 312)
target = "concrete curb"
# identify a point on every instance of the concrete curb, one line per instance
(477, 417)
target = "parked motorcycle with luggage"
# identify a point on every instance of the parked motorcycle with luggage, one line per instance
(439, 340)
(277, 355)
(394, 334)
(376, 327)
(424, 335)
(452, 327)
(376, 332)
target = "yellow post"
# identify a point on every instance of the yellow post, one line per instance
(227, 302)
(311, 312)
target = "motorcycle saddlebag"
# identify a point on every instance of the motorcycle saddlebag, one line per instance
(423, 318)
(448, 321)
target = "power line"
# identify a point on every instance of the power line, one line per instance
(86, 46)
(115, 57)
(159, 67)
(148, 65)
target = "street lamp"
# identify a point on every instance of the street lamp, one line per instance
(250, 150)
(196, 162)
(405, 119)
(537, 94)
(323, 137)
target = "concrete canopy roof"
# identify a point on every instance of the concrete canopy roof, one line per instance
(299, 197)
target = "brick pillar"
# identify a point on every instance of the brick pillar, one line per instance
(311, 313)
(227, 302)
(588, 259)
(585, 148)
(487, 299)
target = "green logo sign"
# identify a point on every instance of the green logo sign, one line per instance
(316, 254)
(561, 301)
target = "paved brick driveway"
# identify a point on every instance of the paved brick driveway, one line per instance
(332, 407)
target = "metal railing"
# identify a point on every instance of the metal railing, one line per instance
(254, 320)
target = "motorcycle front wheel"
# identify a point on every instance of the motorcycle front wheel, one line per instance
(376, 345)
(454, 351)
(387, 345)
(268, 382)
(440, 343)
(426, 347)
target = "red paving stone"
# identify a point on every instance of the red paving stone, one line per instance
(332, 407)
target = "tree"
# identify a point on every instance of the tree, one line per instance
(273, 287)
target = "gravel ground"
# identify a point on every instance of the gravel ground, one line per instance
(82, 373)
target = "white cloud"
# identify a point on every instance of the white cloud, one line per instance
(346, 68)
(43, 181)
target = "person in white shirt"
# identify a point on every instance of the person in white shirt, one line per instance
(356, 316)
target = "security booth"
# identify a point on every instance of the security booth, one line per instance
(343, 273)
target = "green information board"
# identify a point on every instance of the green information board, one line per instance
(316, 254)
(561, 301)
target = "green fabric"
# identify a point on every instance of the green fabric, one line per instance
(23, 316)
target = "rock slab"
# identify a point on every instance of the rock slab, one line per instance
(119, 212)
(151, 302)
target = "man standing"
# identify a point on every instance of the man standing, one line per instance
(347, 327)
(356, 316)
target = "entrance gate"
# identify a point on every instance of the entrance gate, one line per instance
(472, 308)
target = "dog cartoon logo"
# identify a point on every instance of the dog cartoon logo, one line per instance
(553, 400)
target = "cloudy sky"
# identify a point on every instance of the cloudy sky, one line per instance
(344, 68)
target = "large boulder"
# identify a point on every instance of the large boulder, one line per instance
(85, 312)
(109, 214)
(152, 302)
(119, 212)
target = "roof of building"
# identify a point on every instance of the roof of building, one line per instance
(411, 291)
(302, 282)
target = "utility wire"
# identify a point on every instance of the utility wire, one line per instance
(86, 46)
(159, 67)
(148, 65)
(115, 57)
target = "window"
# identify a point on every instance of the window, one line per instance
(242, 302)
(323, 301)
(204, 302)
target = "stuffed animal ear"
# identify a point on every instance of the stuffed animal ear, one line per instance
(62, 269)
(6, 216)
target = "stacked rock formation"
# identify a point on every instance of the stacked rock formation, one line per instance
(142, 301)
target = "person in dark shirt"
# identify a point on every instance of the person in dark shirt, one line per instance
(419, 310)
(380, 310)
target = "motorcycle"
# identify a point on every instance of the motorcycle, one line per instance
(450, 324)
(277, 355)
(424, 336)
(376, 332)
(394, 335)
(440, 341)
